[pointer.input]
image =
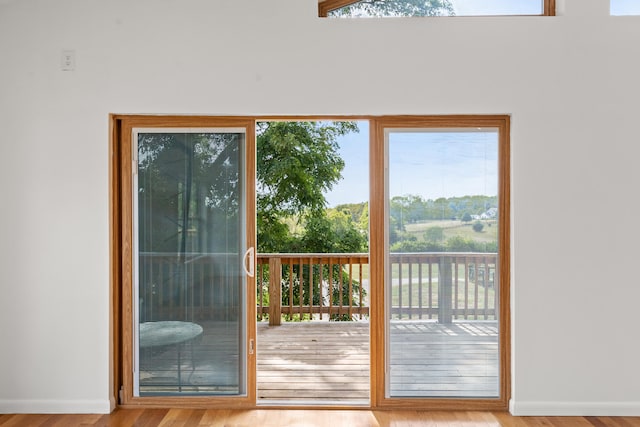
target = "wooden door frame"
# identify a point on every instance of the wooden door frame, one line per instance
(120, 254)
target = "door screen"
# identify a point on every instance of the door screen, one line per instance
(189, 273)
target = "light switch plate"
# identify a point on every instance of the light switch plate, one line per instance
(68, 60)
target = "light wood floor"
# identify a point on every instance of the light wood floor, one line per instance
(307, 418)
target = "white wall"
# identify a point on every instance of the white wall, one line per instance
(570, 83)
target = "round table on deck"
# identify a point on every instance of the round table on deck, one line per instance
(169, 332)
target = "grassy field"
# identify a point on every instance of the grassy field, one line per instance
(453, 228)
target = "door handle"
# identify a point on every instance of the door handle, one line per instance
(250, 253)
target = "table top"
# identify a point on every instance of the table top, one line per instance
(155, 334)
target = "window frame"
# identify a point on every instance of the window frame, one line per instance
(326, 6)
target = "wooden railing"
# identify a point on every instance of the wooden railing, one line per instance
(334, 283)
(191, 286)
(442, 286)
(438, 286)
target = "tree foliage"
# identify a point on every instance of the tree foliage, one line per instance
(187, 186)
(379, 8)
(333, 233)
(297, 163)
(409, 209)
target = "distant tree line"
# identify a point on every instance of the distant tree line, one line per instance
(411, 209)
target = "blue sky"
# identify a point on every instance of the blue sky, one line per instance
(443, 164)
(430, 164)
(354, 150)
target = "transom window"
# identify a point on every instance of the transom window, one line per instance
(625, 7)
(399, 8)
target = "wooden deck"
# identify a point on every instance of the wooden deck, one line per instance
(429, 359)
(328, 362)
(321, 362)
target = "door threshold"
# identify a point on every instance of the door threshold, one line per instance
(324, 404)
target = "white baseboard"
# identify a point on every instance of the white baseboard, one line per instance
(55, 406)
(604, 409)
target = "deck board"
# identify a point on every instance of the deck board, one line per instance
(299, 361)
(328, 362)
(430, 359)
(313, 361)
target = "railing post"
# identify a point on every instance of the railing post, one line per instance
(445, 286)
(275, 291)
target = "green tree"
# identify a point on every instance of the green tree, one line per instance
(396, 8)
(477, 226)
(333, 233)
(443, 208)
(356, 210)
(466, 217)
(297, 163)
(359, 213)
(363, 221)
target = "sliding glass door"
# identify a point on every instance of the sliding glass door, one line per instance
(190, 273)
(438, 288)
(445, 280)
(188, 204)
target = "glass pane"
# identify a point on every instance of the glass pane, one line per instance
(497, 7)
(442, 280)
(190, 281)
(394, 8)
(625, 7)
